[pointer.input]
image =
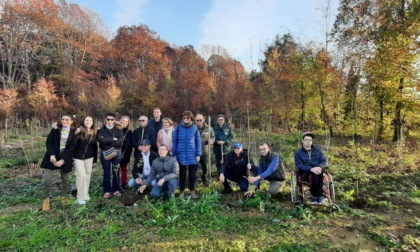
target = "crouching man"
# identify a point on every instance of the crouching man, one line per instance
(270, 169)
(165, 170)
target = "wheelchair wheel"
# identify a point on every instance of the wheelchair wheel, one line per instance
(332, 190)
(334, 208)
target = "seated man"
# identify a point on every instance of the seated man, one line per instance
(165, 170)
(236, 168)
(142, 164)
(269, 168)
(310, 162)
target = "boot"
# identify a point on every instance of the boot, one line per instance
(46, 205)
(182, 195)
(194, 195)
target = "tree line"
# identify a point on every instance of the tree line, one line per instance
(55, 57)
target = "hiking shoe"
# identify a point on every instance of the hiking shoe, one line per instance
(314, 201)
(117, 194)
(321, 200)
(182, 195)
(107, 195)
(194, 195)
(227, 190)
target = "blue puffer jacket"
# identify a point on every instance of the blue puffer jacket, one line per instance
(186, 144)
(306, 160)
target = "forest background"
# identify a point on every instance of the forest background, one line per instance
(55, 58)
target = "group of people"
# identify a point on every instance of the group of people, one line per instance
(163, 155)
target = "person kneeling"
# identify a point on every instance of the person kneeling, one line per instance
(165, 170)
(236, 168)
(269, 168)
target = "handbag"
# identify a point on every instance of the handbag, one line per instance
(110, 153)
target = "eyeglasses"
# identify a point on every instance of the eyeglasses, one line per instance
(142, 120)
(110, 119)
(307, 140)
(199, 120)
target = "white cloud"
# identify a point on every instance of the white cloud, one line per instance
(127, 12)
(242, 26)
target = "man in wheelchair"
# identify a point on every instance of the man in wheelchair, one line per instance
(310, 161)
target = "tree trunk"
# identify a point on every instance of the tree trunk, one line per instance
(398, 122)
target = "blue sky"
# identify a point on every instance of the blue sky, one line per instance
(242, 27)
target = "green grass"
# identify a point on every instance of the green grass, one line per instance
(382, 216)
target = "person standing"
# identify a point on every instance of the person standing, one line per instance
(311, 162)
(164, 172)
(126, 149)
(143, 132)
(165, 134)
(85, 154)
(270, 169)
(186, 147)
(223, 137)
(110, 140)
(156, 124)
(60, 144)
(207, 139)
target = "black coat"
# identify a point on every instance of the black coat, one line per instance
(127, 148)
(236, 167)
(106, 137)
(53, 148)
(86, 148)
(139, 164)
(141, 134)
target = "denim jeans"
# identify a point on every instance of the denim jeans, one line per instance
(132, 181)
(108, 166)
(167, 185)
(242, 182)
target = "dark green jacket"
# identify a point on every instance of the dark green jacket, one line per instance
(225, 134)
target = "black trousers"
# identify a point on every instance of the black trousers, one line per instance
(192, 173)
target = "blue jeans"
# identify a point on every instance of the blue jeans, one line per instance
(132, 181)
(242, 182)
(108, 166)
(167, 185)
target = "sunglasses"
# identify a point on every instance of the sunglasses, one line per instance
(110, 119)
(186, 118)
(142, 120)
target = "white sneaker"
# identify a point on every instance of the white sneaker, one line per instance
(81, 202)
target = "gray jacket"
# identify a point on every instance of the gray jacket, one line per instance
(166, 168)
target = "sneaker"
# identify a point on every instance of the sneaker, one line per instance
(194, 195)
(321, 200)
(314, 201)
(107, 195)
(182, 195)
(227, 190)
(117, 194)
(81, 202)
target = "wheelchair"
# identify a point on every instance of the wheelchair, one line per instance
(300, 191)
